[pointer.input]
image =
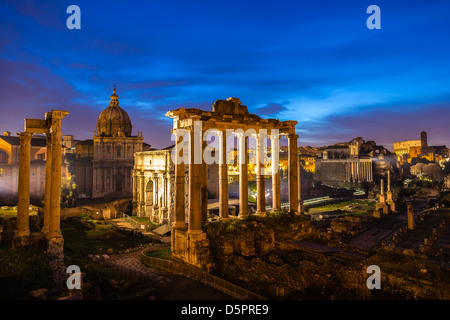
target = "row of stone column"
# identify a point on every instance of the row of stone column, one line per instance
(359, 171)
(52, 195)
(197, 181)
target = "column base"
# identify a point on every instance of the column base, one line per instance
(191, 248)
(20, 241)
(35, 240)
(179, 225)
(22, 233)
(197, 232)
(55, 245)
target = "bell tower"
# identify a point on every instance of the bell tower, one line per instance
(423, 140)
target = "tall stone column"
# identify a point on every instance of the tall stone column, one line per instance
(48, 184)
(135, 193)
(300, 198)
(23, 204)
(180, 218)
(223, 177)
(260, 182)
(204, 183)
(293, 174)
(155, 192)
(410, 213)
(166, 195)
(195, 196)
(243, 176)
(276, 198)
(389, 181)
(55, 209)
(141, 205)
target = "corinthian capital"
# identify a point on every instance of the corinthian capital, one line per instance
(25, 138)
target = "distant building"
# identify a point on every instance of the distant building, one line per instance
(308, 156)
(9, 165)
(408, 150)
(356, 161)
(104, 164)
(344, 163)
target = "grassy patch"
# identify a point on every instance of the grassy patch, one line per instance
(84, 236)
(9, 212)
(160, 253)
(350, 207)
(145, 220)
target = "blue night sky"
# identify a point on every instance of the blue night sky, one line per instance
(311, 61)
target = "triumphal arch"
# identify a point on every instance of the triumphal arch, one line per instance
(190, 130)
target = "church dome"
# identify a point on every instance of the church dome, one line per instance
(114, 121)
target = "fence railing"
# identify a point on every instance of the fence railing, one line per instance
(199, 275)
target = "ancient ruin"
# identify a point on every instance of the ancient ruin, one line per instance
(51, 127)
(189, 242)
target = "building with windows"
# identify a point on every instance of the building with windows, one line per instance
(410, 149)
(104, 164)
(9, 165)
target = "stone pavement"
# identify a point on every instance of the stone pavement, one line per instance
(171, 287)
(132, 261)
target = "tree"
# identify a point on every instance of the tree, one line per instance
(431, 170)
(69, 193)
(446, 170)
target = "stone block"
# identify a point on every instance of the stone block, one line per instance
(39, 294)
(244, 244)
(264, 240)
(191, 248)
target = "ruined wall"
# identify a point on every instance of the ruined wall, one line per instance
(191, 248)
(330, 170)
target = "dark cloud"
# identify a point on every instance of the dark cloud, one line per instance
(272, 109)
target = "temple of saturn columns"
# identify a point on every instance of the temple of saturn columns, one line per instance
(51, 126)
(189, 242)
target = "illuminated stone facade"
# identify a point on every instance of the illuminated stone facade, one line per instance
(104, 164)
(343, 163)
(189, 242)
(9, 165)
(154, 185)
(408, 150)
